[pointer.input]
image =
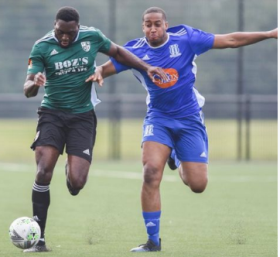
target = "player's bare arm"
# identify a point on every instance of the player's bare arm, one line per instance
(32, 84)
(125, 57)
(238, 39)
(103, 71)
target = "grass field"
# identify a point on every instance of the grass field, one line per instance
(235, 217)
(17, 135)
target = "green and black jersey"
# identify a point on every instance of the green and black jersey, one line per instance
(66, 69)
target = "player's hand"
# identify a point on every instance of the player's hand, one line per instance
(39, 79)
(96, 77)
(153, 71)
(274, 33)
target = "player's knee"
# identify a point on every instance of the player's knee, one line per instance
(151, 175)
(78, 183)
(44, 175)
(199, 186)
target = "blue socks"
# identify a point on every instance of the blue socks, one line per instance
(151, 220)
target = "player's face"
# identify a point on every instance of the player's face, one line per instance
(154, 28)
(65, 32)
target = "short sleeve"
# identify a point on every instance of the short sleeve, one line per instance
(201, 41)
(35, 62)
(105, 43)
(119, 66)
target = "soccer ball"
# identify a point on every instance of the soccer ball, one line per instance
(24, 232)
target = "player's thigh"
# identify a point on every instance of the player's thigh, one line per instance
(154, 152)
(77, 169)
(46, 158)
(81, 134)
(195, 175)
(154, 157)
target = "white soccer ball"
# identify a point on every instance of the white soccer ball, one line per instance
(24, 232)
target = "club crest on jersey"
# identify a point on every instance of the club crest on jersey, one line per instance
(174, 51)
(86, 46)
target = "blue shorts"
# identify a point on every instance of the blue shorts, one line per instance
(187, 136)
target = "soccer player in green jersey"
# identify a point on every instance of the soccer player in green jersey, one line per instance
(60, 62)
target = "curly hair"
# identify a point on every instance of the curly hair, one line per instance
(67, 14)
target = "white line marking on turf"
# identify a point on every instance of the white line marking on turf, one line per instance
(16, 167)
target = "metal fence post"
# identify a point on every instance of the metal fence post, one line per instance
(240, 84)
(115, 129)
(114, 105)
(248, 134)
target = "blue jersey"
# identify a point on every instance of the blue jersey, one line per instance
(176, 97)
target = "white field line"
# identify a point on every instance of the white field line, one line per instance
(14, 167)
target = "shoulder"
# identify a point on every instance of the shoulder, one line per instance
(179, 30)
(90, 31)
(136, 43)
(182, 31)
(49, 37)
(42, 45)
(84, 29)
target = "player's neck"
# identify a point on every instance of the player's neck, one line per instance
(160, 44)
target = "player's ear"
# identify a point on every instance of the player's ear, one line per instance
(166, 25)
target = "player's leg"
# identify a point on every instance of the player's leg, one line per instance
(48, 145)
(77, 169)
(81, 134)
(154, 158)
(194, 175)
(157, 144)
(46, 158)
(192, 149)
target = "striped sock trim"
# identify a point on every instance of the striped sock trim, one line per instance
(40, 189)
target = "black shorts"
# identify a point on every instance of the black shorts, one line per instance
(75, 131)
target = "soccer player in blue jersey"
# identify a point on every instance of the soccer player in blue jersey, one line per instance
(174, 118)
(60, 62)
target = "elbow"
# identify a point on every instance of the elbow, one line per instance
(25, 91)
(29, 94)
(233, 44)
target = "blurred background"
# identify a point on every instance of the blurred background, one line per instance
(240, 85)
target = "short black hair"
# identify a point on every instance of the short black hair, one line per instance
(154, 10)
(67, 13)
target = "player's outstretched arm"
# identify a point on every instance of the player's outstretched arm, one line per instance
(238, 39)
(125, 57)
(32, 84)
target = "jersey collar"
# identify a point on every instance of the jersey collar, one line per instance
(53, 34)
(155, 47)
